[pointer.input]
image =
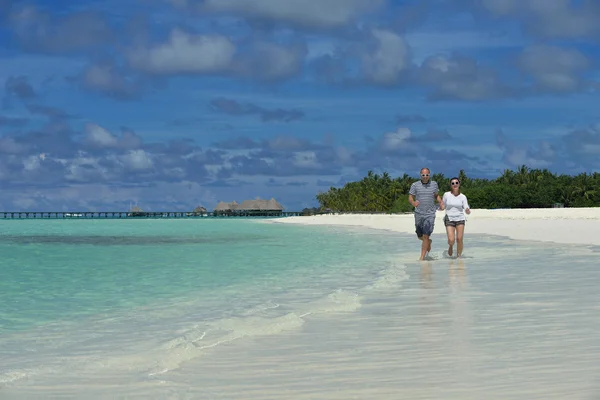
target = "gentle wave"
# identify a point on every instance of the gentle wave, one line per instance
(265, 319)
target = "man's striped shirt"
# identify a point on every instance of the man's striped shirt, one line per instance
(424, 193)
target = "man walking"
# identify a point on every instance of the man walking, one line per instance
(422, 197)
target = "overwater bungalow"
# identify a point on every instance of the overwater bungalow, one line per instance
(136, 212)
(199, 211)
(258, 207)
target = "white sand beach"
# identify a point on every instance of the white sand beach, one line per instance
(512, 319)
(559, 225)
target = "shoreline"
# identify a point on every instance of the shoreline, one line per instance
(555, 225)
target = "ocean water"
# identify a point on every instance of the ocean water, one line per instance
(510, 320)
(223, 309)
(132, 300)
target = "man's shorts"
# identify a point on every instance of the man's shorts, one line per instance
(424, 224)
(447, 222)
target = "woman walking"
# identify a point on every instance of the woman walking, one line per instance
(456, 207)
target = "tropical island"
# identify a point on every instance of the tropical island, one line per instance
(521, 188)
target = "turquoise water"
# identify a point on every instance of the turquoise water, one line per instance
(154, 287)
(246, 309)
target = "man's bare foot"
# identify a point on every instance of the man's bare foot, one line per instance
(450, 251)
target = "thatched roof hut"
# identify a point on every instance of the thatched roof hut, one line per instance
(199, 210)
(260, 205)
(136, 209)
(222, 206)
(250, 205)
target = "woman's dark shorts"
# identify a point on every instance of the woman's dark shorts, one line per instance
(447, 222)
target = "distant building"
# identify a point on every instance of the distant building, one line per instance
(136, 212)
(222, 206)
(199, 211)
(257, 206)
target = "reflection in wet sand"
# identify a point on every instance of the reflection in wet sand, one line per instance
(427, 275)
(461, 314)
(458, 277)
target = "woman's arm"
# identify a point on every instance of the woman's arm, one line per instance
(466, 205)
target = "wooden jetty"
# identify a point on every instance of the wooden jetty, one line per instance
(141, 214)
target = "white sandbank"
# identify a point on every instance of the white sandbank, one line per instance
(559, 225)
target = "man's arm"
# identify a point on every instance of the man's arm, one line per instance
(411, 200)
(411, 196)
(439, 200)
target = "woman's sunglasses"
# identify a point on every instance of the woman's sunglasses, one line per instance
(455, 183)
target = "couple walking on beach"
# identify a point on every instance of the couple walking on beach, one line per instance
(422, 196)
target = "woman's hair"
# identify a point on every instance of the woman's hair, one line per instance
(455, 179)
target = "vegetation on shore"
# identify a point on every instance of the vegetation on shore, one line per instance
(522, 188)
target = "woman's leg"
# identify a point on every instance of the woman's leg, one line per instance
(460, 230)
(450, 231)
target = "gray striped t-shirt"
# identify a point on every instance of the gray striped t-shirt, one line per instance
(424, 194)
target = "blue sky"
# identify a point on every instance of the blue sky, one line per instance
(169, 104)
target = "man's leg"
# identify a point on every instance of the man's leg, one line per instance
(424, 228)
(419, 232)
(425, 246)
(427, 226)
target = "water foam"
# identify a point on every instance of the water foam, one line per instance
(168, 334)
(389, 277)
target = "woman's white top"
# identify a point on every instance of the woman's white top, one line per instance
(455, 206)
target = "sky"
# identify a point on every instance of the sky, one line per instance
(171, 104)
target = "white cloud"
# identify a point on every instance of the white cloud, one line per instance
(308, 13)
(554, 68)
(306, 159)
(390, 58)
(185, 53)
(552, 18)
(10, 146)
(98, 136)
(137, 160)
(396, 140)
(462, 78)
(270, 61)
(31, 163)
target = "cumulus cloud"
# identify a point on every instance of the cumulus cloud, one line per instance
(269, 61)
(554, 68)
(19, 86)
(541, 155)
(48, 111)
(235, 108)
(106, 78)
(583, 146)
(388, 60)
(393, 141)
(552, 19)
(302, 13)
(184, 53)
(79, 31)
(100, 138)
(458, 77)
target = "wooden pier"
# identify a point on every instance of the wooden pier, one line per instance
(141, 214)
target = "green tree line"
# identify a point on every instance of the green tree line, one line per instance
(521, 188)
